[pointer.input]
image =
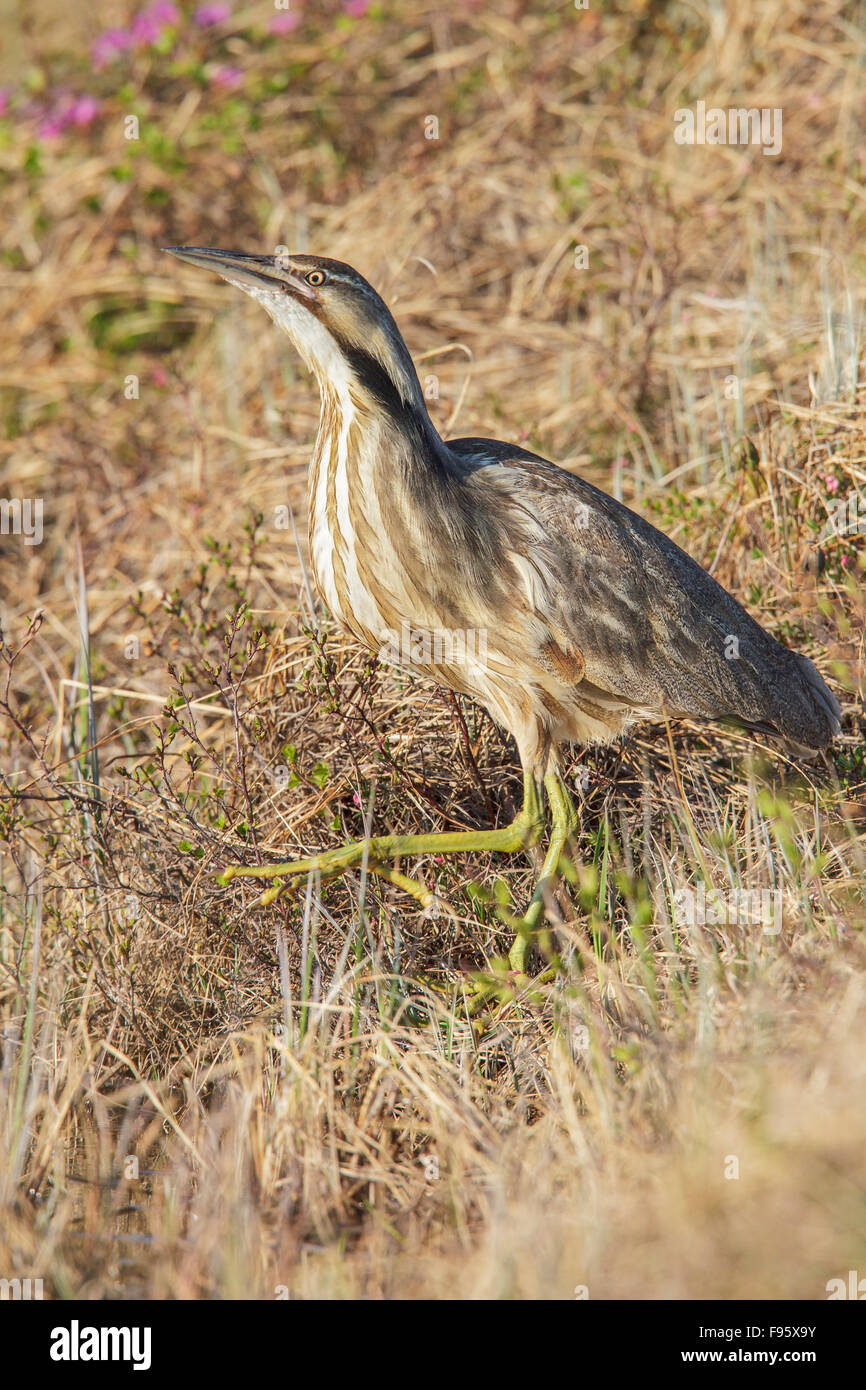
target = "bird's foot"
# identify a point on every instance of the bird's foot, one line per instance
(507, 978)
(378, 852)
(287, 878)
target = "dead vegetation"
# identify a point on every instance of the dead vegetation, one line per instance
(200, 1098)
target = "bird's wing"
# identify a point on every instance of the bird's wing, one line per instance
(652, 628)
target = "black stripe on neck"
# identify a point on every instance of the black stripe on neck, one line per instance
(381, 386)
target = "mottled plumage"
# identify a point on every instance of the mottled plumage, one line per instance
(593, 618)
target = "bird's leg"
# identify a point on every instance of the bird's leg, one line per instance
(565, 822)
(523, 832)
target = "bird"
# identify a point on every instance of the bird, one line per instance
(593, 619)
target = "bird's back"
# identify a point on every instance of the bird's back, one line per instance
(657, 635)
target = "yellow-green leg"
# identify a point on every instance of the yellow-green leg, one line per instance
(523, 832)
(565, 820)
(564, 824)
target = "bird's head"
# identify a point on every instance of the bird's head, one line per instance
(340, 326)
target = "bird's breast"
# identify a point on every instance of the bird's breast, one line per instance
(348, 551)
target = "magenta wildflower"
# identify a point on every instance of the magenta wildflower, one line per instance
(229, 78)
(284, 23)
(356, 8)
(82, 111)
(832, 484)
(77, 111)
(104, 49)
(50, 128)
(145, 29)
(148, 25)
(207, 15)
(4, 101)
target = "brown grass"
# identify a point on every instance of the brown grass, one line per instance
(303, 1094)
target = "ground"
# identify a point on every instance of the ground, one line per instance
(200, 1097)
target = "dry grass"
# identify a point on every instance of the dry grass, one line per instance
(303, 1095)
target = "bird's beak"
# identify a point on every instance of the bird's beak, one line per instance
(245, 270)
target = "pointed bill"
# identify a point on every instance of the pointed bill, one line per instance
(245, 269)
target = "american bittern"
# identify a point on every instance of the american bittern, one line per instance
(593, 618)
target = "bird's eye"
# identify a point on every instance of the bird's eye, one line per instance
(315, 277)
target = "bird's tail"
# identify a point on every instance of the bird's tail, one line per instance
(804, 711)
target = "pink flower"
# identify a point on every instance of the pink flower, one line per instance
(160, 376)
(207, 15)
(147, 26)
(144, 29)
(831, 483)
(50, 128)
(108, 45)
(356, 8)
(82, 111)
(4, 100)
(229, 78)
(284, 23)
(843, 560)
(77, 111)
(68, 110)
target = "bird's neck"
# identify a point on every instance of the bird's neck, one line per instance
(368, 434)
(378, 408)
(378, 465)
